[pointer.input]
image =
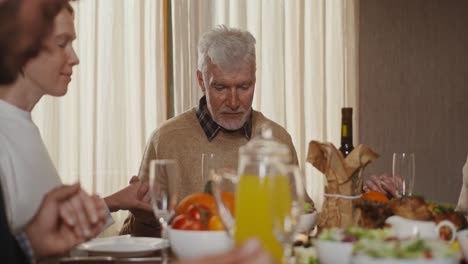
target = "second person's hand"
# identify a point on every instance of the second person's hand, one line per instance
(135, 198)
(384, 183)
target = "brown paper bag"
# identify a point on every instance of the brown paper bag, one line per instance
(344, 177)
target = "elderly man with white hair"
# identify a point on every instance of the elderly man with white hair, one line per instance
(222, 122)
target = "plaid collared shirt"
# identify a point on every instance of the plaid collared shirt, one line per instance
(25, 245)
(211, 128)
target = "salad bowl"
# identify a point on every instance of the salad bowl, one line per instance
(332, 252)
(369, 260)
(414, 251)
(336, 245)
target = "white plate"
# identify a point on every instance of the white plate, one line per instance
(123, 246)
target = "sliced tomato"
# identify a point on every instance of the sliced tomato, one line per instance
(185, 222)
(199, 213)
(194, 212)
(180, 222)
(195, 225)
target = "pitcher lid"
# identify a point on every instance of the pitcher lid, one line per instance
(265, 145)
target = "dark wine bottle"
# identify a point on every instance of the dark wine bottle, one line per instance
(346, 131)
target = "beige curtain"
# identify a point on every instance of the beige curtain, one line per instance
(306, 63)
(96, 134)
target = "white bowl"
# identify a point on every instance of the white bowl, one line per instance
(190, 244)
(307, 222)
(462, 237)
(333, 252)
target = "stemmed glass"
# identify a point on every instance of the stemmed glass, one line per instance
(210, 164)
(287, 196)
(213, 166)
(403, 171)
(165, 182)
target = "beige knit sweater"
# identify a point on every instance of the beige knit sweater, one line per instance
(182, 138)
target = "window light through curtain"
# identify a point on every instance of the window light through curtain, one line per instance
(306, 63)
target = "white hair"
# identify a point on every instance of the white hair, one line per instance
(226, 48)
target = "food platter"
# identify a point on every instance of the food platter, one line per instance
(376, 240)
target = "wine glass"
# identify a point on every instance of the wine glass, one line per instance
(165, 182)
(214, 166)
(210, 163)
(287, 196)
(403, 171)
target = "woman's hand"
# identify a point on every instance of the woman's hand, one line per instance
(50, 234)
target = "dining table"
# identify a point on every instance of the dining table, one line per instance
(155, 258)
(117, 249)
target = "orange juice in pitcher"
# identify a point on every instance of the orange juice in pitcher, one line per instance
(262, 190)
(254, 197)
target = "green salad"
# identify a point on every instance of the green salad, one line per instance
(404, 249)
(353, 234)
(382, 244)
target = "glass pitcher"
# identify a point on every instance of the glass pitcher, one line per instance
(262, 189)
